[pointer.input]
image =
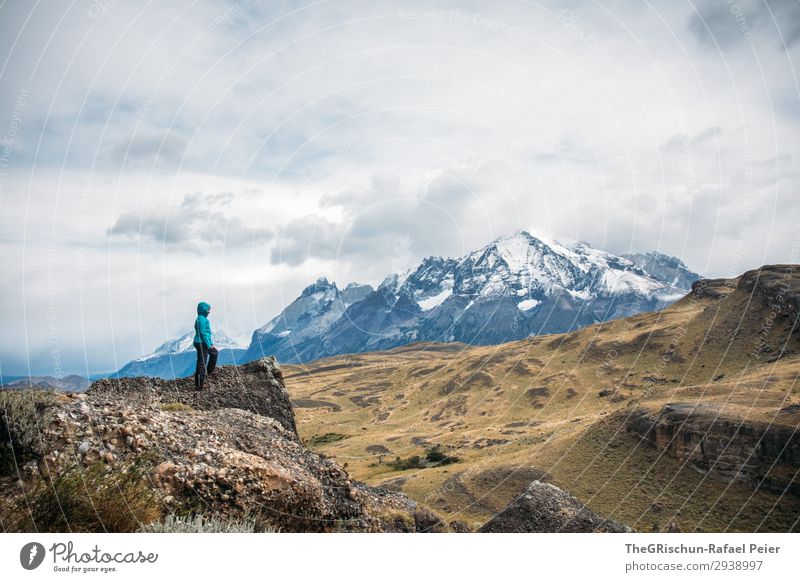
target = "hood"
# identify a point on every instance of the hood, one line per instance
(203, 308)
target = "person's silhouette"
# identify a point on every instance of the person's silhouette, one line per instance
(204, 345)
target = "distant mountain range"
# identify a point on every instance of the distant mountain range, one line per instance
(177, 358)
(297, 333)
(70, 383)
(514, 287)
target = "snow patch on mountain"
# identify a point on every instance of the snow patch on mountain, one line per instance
(527, 304)
(617, 282)
(435, 300)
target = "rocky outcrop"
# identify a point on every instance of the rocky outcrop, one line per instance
(778, 286)
(231, 450)
(256, 387)
(544, 508)
(762, 455)
(712, 288)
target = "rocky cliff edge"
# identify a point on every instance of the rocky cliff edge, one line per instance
(231, 450)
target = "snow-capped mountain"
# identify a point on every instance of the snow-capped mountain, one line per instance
(184, 343)
(669, 270)
(514, 287)
(176, 358)
(304, 321)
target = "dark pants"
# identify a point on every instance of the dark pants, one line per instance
(204, 352)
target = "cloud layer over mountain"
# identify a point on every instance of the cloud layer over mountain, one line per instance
(232, 152)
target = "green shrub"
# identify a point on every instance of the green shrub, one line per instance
(176, 407)
(395, 520)
(434, 457)
(23, 416)
(412, 462)
(325, 439)
(437, 457)
(94, 499)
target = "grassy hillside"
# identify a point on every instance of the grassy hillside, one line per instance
(464, 429)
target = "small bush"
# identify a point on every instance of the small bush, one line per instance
(437, 457)
(434, 457)
(23, 415)
(95, 499)
(395, 520)
(325, 439)
(412, 462)
(177, 407)
(199, 523)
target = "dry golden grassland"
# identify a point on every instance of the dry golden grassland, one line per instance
(533, 409)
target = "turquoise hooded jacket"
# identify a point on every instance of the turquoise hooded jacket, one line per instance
(202, 327)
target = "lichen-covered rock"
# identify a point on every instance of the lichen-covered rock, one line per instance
(256, 387)
(545, 508)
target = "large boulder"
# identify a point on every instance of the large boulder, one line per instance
(544, 508)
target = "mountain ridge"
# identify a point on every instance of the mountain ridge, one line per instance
(514, 287)
(177, 357)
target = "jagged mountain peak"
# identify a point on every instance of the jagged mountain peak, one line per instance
(540, 265)
(656, 257)
(321, 285)
(394, 281)
(355, 292)
(668, 269)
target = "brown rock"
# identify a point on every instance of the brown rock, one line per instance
(544, 508)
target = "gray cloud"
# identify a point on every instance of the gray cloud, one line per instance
(193, 226)
(728, 24)
(388, 228)
(680, 141)
(151, 149)
(304, 238)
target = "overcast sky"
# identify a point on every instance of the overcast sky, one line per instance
(160, 153)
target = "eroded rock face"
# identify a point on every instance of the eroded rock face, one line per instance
(775, 286)
(544, 508)
(255, 387)
(763, 455)
(778, 286)
(712, 288)
(231, 450)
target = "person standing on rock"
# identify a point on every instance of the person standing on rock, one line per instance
(204, 345)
